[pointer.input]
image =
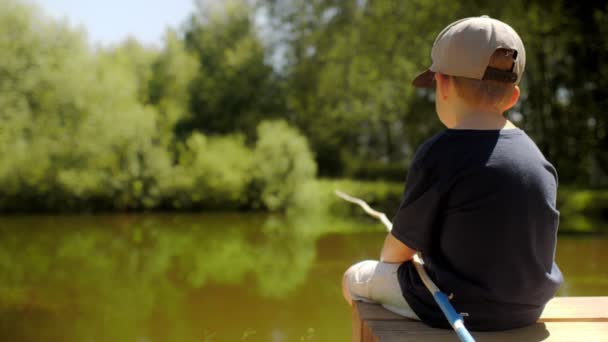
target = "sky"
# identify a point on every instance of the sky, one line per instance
(112, 21)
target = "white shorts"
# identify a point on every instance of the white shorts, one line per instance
(376, 282)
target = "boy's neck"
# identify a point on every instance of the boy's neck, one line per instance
(483, 121)
(474, 118)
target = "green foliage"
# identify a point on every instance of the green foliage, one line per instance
(350, 67)
(281, 152)
(136, 60)
(559, 109)
(101, 131)
(223, 173)
(235, 88)
(582, 210)
(174, 72)
(212, 172)
(374, 170)
(72, 141)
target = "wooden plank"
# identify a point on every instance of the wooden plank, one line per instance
(552, 331)
(576, 309)
(393, 336)
(368, 333)
(368, 311)
(564, 319)
(571, 309)
(411, 328)
(577, 331)
(536, 332)
(361, 331)
(357, 323)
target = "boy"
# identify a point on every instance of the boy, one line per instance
(480, 197)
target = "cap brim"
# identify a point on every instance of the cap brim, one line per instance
(425, 80)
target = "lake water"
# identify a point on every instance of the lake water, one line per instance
(191, 277)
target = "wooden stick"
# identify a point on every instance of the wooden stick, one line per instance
(374, 213)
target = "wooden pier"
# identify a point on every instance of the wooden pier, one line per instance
(564, 319)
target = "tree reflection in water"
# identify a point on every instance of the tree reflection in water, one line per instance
(162, 277)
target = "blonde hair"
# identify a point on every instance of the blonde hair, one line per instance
(487, 93)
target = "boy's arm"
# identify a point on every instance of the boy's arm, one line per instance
(395, 251)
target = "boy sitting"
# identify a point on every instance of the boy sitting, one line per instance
(480, 197)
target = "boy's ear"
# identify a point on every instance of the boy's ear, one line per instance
(443, 85)
(513, 99)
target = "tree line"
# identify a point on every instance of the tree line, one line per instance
(247, 101)
(350, 64)
(124, 127)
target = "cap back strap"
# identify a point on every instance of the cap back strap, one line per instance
(494, 74)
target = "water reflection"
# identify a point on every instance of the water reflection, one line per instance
(200, 277)
(584, 262)
(156, 278)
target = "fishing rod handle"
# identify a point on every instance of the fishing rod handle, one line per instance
(454, 318)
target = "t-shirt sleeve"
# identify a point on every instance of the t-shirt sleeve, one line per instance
(416, 218)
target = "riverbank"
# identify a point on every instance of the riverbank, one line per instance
(583, 211)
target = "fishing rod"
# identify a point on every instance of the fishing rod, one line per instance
(455, 319)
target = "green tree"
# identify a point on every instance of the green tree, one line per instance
(235, 87)
(351, 64)
(171, 85)
(71, 140)
(136, 60)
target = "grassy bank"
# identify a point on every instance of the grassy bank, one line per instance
(582, 210)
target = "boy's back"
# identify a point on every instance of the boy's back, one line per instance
(480, 205)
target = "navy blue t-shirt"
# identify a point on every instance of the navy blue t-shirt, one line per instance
(480, 207)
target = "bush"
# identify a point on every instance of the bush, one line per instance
(213, 173)
(375, 170)
(70, 140)
(283, 164)
(583, 210)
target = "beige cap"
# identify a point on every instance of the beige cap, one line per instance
(464, 49)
